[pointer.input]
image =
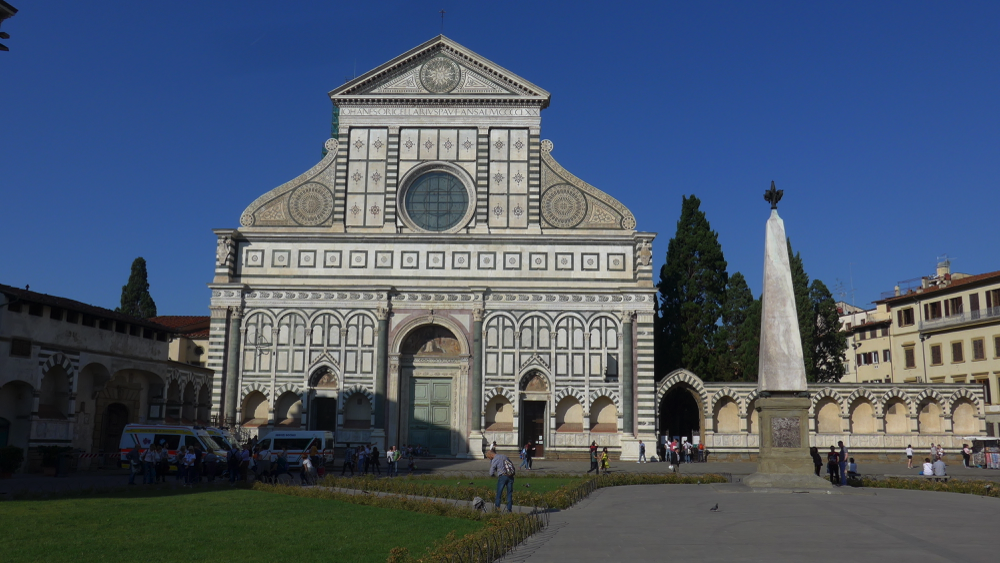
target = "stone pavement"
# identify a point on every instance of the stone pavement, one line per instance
(443, 466)
(674, 522)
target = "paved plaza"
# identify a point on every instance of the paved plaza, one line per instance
(675, 522)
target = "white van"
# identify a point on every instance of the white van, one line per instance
(297, 442)
(171, 437)
(223, 436)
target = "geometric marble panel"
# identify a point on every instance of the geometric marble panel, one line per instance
(589, 262)
(564, 261)
(460, 260)
(359, 259)
(538, 261)
(280, 258)
(383, 259)
(331, 258)
(307, 259)
(487, 260)
(410, 260)
(511, 260)
(616, 262)
(435, 260)
(255, 258)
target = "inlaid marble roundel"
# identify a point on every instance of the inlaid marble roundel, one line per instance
(440, 75)
(310, 204)
(563, 206)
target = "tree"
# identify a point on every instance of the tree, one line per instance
(692, 290)
(739, 300)
(804, 308)
(829, 342)
(748, 352)
(136, 300)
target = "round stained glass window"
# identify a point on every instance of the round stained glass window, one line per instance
(436, 201)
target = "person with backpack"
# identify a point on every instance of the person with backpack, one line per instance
(524, 456)
(348, 461)
(501, 466)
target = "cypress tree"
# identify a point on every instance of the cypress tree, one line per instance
(735, 310)
(804, 308)
(136, 300)
(829, 342)
(748, 352)
(692, 290)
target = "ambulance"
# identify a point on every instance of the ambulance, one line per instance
(299, 441)
(172, 438)
(223, 436)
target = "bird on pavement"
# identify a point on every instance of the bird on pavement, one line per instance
(715, 508)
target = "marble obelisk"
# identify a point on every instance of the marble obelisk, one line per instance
(783, 404)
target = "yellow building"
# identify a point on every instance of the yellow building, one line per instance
(947, 330)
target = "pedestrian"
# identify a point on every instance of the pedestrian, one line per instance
(410, 466)
(938, 468)
(593, 459)
(842, 460)
(531, 453)
(642, 453)
(189, 460)
(233, 464)
(149, 460)
(817, 461)
(940, 451)
(390, 461)
(493, 447)
(605, 464)
(501, 466)
(134, 459)
(928, 468)
(162, 463)
(314, 455)
(348, 462)
(832, 466)
(308, 472)
(909, 456)
(376, 462)
(687, 450)
(362, 461)
(933, 452)
(211, 465)
(966, 454)
(245, 460)
(701, 452)
(524, 456)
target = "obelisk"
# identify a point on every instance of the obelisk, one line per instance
(783, 404)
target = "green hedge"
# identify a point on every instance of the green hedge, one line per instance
(982, 488)
(561, 498)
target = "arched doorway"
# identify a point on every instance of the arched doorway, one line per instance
(680, 414)
(115, 419)
(534, 390)
(430, 369)
(323, 385)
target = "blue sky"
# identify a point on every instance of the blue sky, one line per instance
(134, 128)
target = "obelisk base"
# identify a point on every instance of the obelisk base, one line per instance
(784, 461)
(477, 442)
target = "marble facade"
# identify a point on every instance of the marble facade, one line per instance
(438, 278)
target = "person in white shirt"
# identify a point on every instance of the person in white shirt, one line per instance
(189, 458)
(909, 456)
(308, 472)
(149, 459)
(928, 468)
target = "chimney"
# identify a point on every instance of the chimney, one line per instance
(896, 290)
(944, 268)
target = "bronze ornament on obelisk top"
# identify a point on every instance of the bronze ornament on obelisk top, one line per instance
(783, 461)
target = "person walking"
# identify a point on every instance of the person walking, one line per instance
(134, 459)
(605, 462)
(376, 461)
(308, 472)
(348, 462)
(909, 456)
(842, 460)
(642, 453)
(832, 466)
(524, 457)
(162, 463)
(501, 466)
(817, 461)
(189, 459)
(493, 447)
(531, 453)
(390, 461)
(149, 460)
(966, 454)
(233, 460)
(593, 459)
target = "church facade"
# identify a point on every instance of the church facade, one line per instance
(438, 279)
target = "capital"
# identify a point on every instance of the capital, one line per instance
(477, 314)
(382, 313)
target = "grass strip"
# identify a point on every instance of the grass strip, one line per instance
(981, 488)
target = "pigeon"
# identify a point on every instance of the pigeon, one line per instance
(715, 508)
(472, 482)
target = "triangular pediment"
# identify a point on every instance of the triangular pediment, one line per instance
(440, 69)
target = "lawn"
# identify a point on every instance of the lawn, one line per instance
(227, 525)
